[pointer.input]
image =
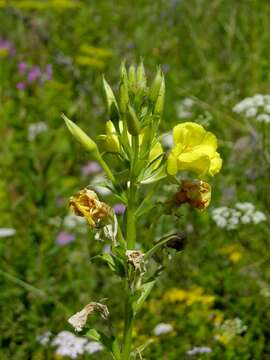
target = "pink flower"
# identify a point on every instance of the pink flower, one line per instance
(64, 238)
(119, 208)
(21, 85)
(22, 66)
(34, 74)
(90, 168)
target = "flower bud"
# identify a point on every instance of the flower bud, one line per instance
(111, 101)
(81, 136)
(132, 78)
(158, 110)
(123, 97)
(133, 123)
(141, 78)
(195, 192)
(86, 204)
(111, 139)
(155, 87)
(177, 241)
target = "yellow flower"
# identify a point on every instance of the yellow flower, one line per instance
(195, 150)
(86, 204)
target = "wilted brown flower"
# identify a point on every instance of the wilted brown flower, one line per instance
(197, 193)
(85, 203)
(79, 319)
(136, 258)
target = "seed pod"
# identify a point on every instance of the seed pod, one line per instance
(111, 101)
(81, 136)
(133, 123)
(155, 87)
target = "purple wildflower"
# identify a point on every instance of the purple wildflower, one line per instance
(22, 66)
(119, 208)
(8, 46)
(90, 168)
(21, 85)
(64, 238)
(34, 74)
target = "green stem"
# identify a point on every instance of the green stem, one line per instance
(129, 321)
(105, 167)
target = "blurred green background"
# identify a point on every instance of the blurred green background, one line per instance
(52, 56)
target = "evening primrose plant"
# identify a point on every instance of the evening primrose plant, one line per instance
(131, 136)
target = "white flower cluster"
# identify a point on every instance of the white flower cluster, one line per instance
(7, 232)
(257, 107)
(230, 328)
(162, 329)
(199, 350)
(36, 128)
(242, 213)
(70, 345)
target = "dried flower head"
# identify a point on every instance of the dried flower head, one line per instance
(197, 193)
(79, 319)
(86, 204)
(136, 258)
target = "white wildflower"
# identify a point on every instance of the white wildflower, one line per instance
(167, 139)
(44, 338)
(257, 107)
(162, 329)
(242, 213)
(36, 128)
(93, 347)
(70, 345)
(7, 232)
(199, 350)
(72, 221)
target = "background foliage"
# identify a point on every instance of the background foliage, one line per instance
(213, 52)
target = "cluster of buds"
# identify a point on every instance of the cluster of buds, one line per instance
(85, 203)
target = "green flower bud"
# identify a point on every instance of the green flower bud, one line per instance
(132, 78)
(111, 101)
(141, 78)
(155, 87)
(81, 136)
(158, 110)
(133, 123)
(111, 138)
(123, 97)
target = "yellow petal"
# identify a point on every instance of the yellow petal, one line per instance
(172, 164)
(215, 165)
(188, 134)
(194, 161)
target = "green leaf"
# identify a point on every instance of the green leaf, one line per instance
(111, 101)
(115, 263)
(110, 343)
(145, 291)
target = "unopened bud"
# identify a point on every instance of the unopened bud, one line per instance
(123, 97)
(132, 78)
(111, 143)
(177, 241)
(155, 87)
(158, 110)
(81, 136)
(195, 192)
(133, 123)
(141, 78)
(111, 101)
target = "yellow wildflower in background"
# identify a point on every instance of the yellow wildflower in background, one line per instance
(233, 252)
(189, 297)
(194, 150)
